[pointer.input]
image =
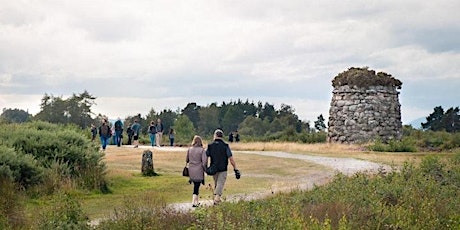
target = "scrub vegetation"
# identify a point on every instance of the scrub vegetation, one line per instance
(54, 177)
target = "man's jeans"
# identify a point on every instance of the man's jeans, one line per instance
(118, 138)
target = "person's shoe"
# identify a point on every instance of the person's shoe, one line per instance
(136, 146)
(217, 199)
(195, 201)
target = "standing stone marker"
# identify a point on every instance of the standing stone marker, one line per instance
(364, 107)
(147, 163)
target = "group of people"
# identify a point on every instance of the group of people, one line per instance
(133, 131)
(156, 133)
(234, 136)
(219, 154)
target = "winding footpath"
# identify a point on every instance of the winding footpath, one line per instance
(347, 166)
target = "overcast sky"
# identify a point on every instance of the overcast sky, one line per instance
(141, 54)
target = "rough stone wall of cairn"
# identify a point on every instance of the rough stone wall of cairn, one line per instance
(360, 114)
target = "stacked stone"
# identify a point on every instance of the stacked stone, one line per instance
(359, 114)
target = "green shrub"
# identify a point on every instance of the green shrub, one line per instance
(64, 212)
(147, 211)
(21, 168)
(407, 144)
(11, 207)
(61, 152)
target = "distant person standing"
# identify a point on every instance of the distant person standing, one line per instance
(93, 132)
(129, 132)
(159, 135)
(220, 154)
(118, 132)
(230, 137)
(136, 131)
(197, 162)
(152, 132)
(237, 136)
(104, 134)
(172, 134)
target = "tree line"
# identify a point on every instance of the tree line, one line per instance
(253, 120)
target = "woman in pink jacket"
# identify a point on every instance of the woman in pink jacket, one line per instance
(197, 162)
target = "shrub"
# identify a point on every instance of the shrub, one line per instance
(405, 145)
(64, 213)
(62, 151)
(21, 168)
(11, 207)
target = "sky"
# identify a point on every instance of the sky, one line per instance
(142, 54)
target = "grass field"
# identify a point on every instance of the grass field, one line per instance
(261, 174)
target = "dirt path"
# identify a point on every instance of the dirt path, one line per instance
(347, 166)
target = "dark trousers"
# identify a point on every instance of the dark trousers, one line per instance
(196, 188)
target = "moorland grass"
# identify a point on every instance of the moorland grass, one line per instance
(419, 196)
(136, 201)
(260, 174)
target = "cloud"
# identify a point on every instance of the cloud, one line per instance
(154, 51)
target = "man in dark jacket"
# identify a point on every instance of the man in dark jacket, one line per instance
(220, 154)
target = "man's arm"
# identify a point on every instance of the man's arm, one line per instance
(232, 162)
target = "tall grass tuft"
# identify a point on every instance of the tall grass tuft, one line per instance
(148, 211)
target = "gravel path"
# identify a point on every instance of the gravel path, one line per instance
(347, 166)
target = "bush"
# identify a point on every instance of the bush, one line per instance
(62, 151)
(21, 168)
(407, 144)
(64, 213)
(11, 207)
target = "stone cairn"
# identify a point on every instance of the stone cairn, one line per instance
(364, 107)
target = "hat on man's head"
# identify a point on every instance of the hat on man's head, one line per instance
(218, 133)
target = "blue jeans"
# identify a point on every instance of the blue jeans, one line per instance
(118, 138)
(104, 141)
(152, 139)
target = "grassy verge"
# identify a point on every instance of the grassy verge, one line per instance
(260, 174)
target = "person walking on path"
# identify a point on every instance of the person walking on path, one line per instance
(118, 132)
(159, 135)
(136, 131)
(220, 154)
(93, 132)
(152, 132)
(104, 134)
(197, 162)
(129, 132)
(172, 133)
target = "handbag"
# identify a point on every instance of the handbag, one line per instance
(185, 171)
(211, 170)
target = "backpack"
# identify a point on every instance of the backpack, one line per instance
(118, 125)
(152, 129)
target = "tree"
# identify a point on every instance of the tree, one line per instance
(440, 121)
(451, 120)
(319, 124)
(267, 112)
(74, 110)
(232, 118)
(191, 111)
(167, 117)
(15, 115)
(184, 129)
(209, 120)
(252, 126)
